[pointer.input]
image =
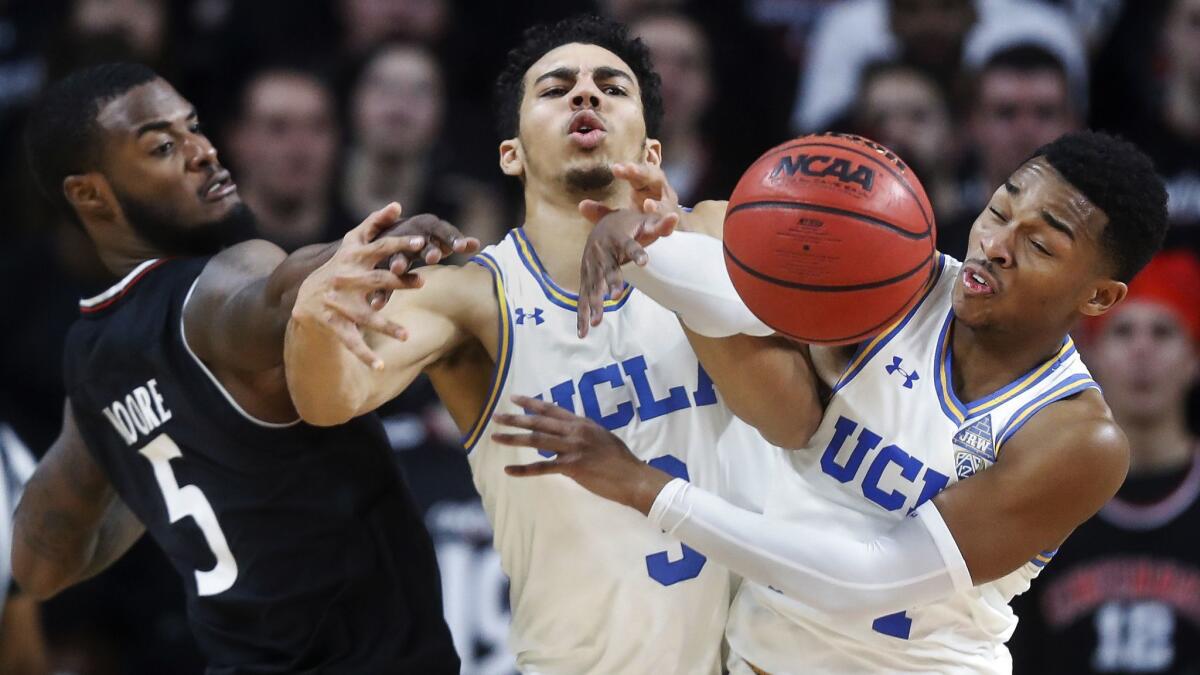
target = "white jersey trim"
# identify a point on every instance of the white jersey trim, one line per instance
(119, 287)
(213, 378)
(503, 352)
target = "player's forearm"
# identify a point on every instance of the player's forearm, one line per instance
(22, 644)
(686, 274)
(914, 563)
(328, 384)
(767, 382)
(58, 544)
(258, 313)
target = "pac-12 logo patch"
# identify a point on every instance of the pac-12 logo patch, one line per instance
(976, 448)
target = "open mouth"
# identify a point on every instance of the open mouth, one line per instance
(218, 187)
(977, 281)
(586, 129)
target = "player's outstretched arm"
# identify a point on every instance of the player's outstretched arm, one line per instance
(1052, 475)
(344, 356)
(768, 381)
(70, 524)
(238, 312)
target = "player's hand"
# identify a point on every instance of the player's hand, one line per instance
(649, 183)
(431, 239)
(585, 452)
(618, 237)
(337, 295)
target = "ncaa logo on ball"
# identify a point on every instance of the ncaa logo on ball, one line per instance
(822, 166)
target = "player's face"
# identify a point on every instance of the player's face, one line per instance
(1145, 361)
(287, 140)
(164, 174)
(581, 111)
(1034, 260)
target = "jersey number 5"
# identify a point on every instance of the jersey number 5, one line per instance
(190, 501)
(660, 568)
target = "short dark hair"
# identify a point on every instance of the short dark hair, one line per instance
(1121, 181)
(591, 30)
(62, 137)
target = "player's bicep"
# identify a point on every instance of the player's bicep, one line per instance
(1055, 473)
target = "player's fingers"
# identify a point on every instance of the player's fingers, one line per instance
(534, 469)
(583, 310)
(537, 439)
(351, 338)
(385, 247)
(432, 254)
(540, 407)
(447, 236)
(593, 210)
(467, 245)
(372, 280)
(368, 320)
(632, 250)
(377, 222)
(541, 423)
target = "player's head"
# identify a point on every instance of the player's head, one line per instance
(284, 141)
(1144, 352)
(396, 101)
(1063, 235)
(1021, 101)
(573, 98)
(118, 149)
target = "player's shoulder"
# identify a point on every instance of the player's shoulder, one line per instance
(1077, 431)
(463, 293)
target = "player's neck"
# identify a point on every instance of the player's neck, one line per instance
(987, 360)
(558, 232)
(1159, 444)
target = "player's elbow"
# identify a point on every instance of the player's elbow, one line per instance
(37, 577)
(322, 413)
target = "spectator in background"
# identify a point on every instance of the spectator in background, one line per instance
(372, 22)
(1020, 100)
(22, 646)
(1123, 594)
(283, 147)
(681, 53)
(938, 36)
(1169, 130)
(113, 30)
(396, 109)
(905, 109)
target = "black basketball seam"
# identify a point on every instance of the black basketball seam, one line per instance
(874, 330)
(903, 181)
(808, 206)
(825, 289)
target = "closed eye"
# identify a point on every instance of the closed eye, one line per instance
(997, 214)
(1039, 247)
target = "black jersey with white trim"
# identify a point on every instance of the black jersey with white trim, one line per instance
(300, 548)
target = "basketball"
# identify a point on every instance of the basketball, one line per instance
(829, 238)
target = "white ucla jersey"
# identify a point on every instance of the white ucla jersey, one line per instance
(595, 587)
(894, 434)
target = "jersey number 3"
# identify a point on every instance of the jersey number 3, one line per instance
(190, 501)
(661, 568)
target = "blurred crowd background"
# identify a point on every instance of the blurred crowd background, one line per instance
(327, 109)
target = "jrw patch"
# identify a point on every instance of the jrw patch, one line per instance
(977, 450)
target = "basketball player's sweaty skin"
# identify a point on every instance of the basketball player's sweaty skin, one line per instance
(159, 207)
(506, 323)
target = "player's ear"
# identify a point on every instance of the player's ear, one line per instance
(88, 193)
(1104, 296)
(653, 152)
(512, 157)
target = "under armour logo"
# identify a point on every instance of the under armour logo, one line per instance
(909, 378)
(535, 316)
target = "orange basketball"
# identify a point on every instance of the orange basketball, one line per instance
(829, 238)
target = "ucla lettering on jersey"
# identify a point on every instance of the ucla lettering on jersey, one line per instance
(594, 586)
(894, 435)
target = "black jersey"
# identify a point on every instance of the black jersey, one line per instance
(1123, 593)
(300, 549)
